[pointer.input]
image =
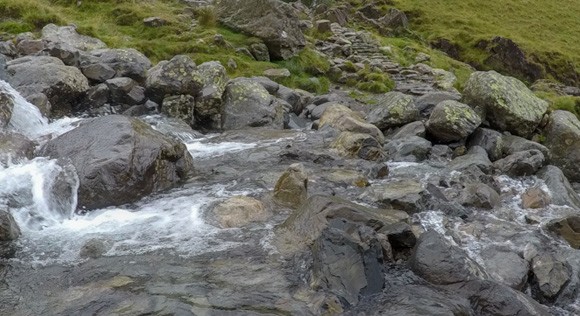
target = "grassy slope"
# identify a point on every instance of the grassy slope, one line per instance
(119, 24)
(540, 27)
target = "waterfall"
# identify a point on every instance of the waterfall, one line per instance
(26, 118)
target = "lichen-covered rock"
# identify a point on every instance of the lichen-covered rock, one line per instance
(358, 145)
(120, 159)
(452, 121)
(68, 35)
(505, 102)
(394, 109)
(273, 21)
(248, 104)
(292, 187)
(239, 211)
(173, 77)
(563, 141)
(344, 119)
(127, 62)
(180, 107)
(63, 85)
(208, 105)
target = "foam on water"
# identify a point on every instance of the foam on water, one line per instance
(204, 149)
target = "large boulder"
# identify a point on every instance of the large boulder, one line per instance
(506, 102)
(120, 159)
(248, 104)
(63, 85)
(273, 21)
(208, 105)
(452, 121)
(173, 77)
(394, 109)
(438, 261)
(67, 35)
(563, 141)
(127, 62)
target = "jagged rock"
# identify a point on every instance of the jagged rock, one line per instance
(394, 109)
(180, 107)
(127, 62)
(358, 145)
(239, 211)
(476, 156)
(15, 147)
(411, 129)
(68, 36)
(125, 90)
(490, 140)
(63, 85)
(490, 298)
(247, 104)
(120, 159)
(506, 55)
(273, 21)
(535, 198)
(507, 268)
(9, 229)
(505, 102)
(513, 144)
(406, 195)
(292, 186)
(549, 275)
(523, 163)
(563, 141)
(567, 228)
(480, 195)
(436, 260)
(307, 223)
(344, 119)
(561, 190)
(452, 121)
(412, 148)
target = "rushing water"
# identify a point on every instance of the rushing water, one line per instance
(41, 194)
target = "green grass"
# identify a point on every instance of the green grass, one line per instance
(119, 23)
(546, 29)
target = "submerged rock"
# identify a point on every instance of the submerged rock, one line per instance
(505, 102)
(120, 159)
(239, 211)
